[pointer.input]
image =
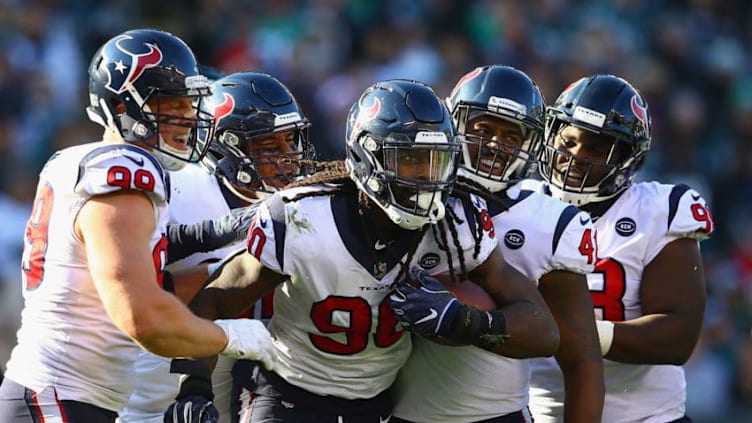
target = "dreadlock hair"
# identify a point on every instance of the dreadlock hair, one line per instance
(463, 189)
(451, 220)
(331, 172)
(337, 174)
(464, 193)
(466, 187)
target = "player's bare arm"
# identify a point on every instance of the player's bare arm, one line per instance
(238, 282)
(579, 355)
(673, 303)
(531, 328)
(186, 283)
(116, 229)
(236, 285)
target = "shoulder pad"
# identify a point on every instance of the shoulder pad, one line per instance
(116, 167)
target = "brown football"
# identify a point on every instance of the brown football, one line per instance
(468, 292)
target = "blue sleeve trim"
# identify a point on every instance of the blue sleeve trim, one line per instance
(566, 216)
(673, 202)
(277, 211)
(503, 203)
(114, 147)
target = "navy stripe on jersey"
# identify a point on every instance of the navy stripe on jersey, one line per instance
(167, 183)
(352, 232)
(673, 202)
(564, 218)
(110, 147)
(349, 227)
(469, 211)
(277, 211)
(504, 203)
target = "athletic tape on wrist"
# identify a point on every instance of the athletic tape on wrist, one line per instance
(605, 335)
(212, 267)
(484, 329)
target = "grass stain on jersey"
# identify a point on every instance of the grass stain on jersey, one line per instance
(299, 224)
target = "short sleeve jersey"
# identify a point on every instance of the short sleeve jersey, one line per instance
(334, 330)
(537, 234)
(631, 233)
(67, 341)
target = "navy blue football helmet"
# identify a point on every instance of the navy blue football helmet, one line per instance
(505, 93)
(608, 106)
(249, 109)
(402, 151)
(140, 66)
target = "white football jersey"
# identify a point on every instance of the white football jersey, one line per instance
(537, 234)
(67, 340)
(334, 331)
(632, 232)
(196, 196)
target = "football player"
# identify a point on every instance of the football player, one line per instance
(500, 112)
(648, 287)
(95, 244)
(260, 137)
(333, 247)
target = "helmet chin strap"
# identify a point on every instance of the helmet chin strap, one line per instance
(171, 158)
(162, 152)
(138, 133)
(168, 162)
(491, 185)
(236, 192)
(404, 220)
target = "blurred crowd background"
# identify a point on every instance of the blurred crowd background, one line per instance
(692, 59)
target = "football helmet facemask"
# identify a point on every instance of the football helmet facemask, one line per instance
(402, 151)
(141, 66)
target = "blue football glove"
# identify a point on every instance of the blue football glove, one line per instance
(209, 235)
(192, 409)
(431, 310)
(428, 309)
(233, 226)
(193, 403)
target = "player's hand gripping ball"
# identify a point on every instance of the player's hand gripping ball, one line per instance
(428, 307)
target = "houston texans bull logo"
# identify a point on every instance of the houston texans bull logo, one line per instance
(640, 110)
(142, 56)
(224, 109)
(366, 114)
(465, 79)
